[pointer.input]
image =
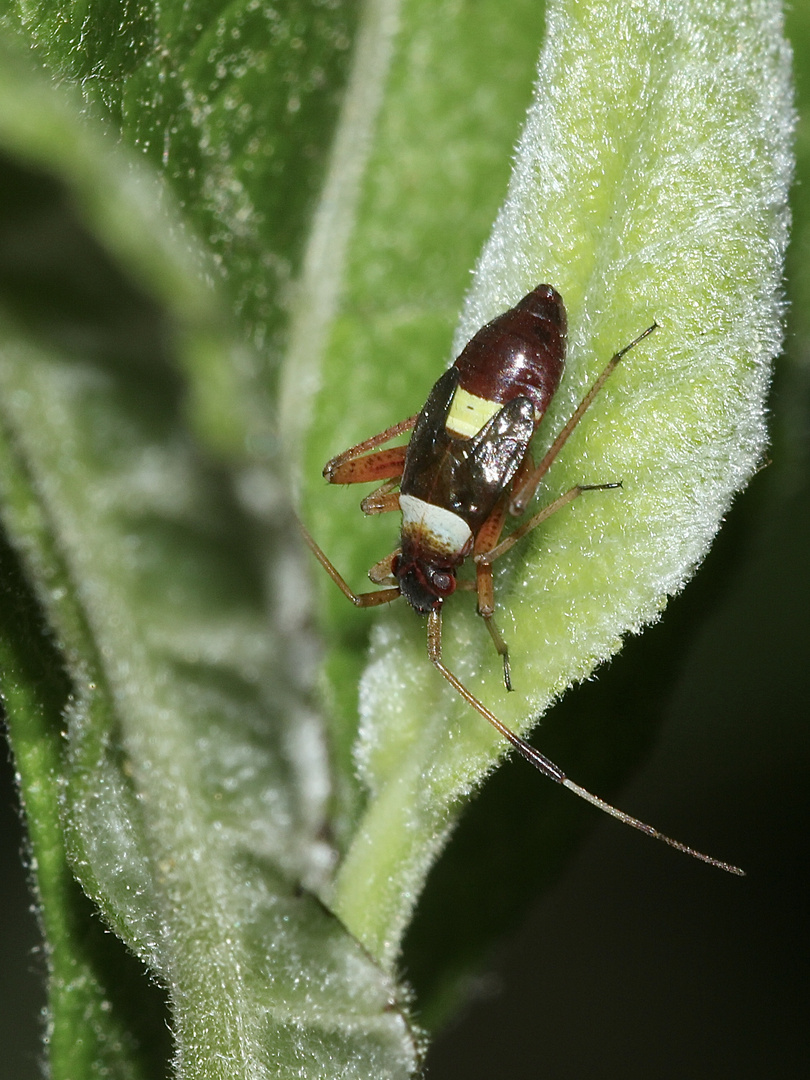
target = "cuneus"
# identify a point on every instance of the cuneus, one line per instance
(466, 470)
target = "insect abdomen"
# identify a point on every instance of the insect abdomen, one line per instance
(519, 354)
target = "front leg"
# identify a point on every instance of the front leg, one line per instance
(369, 599)
(382, 572)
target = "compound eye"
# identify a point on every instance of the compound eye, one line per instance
(443, 582)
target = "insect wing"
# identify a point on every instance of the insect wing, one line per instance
(431, 420)
(465, 476)
(495, 453)
(429, 440)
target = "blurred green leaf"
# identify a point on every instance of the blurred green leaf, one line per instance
(190, 778)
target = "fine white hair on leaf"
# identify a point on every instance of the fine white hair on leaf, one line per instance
(650, 185)
(652, 188)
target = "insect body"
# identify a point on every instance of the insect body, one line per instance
(470, 449)
(466, 470)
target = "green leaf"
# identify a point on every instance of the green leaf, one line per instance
(186, 768)
(385, 273)
(235, 104)
(650, 184)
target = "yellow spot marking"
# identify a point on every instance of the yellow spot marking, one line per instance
(469, 413)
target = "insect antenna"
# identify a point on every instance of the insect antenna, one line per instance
(546, 766)
(648, 830)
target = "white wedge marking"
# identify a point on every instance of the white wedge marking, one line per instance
(441, 529)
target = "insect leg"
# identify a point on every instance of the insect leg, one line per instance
(486, 538)
(383, 500)
(487, 557)
(369, 599)
(381, 465)
(382, 572)
(501, 648)
(523, 493)
(338, 470)
(542, 763)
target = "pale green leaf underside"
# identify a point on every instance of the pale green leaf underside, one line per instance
(650, 184)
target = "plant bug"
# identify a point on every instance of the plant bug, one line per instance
(467, 468)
